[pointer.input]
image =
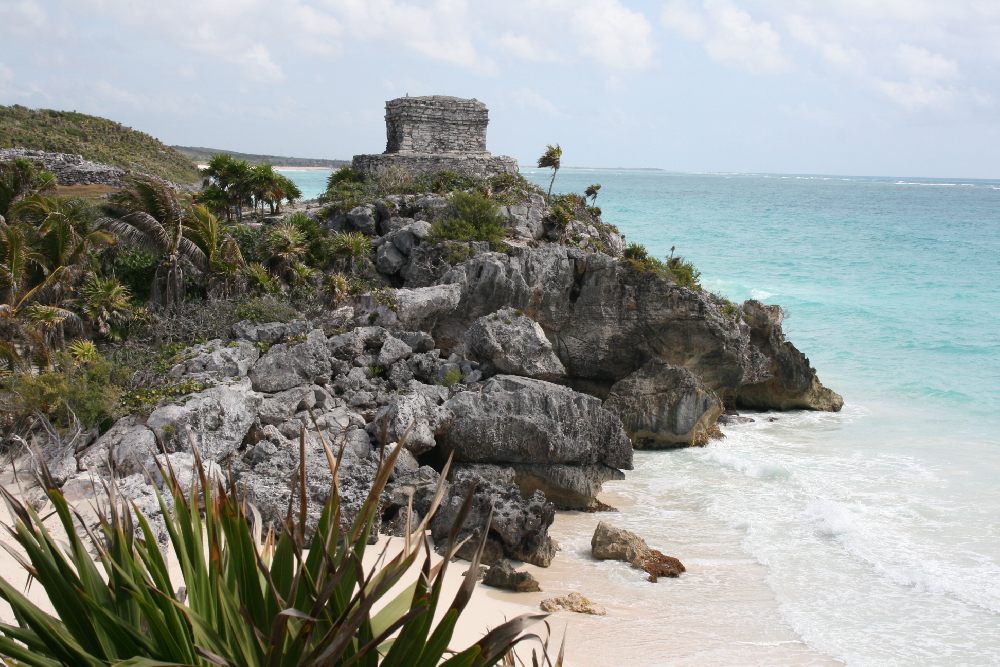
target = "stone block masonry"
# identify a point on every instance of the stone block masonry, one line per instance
(69, 169)
(436, 133)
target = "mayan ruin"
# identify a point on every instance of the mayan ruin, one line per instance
(436, 133)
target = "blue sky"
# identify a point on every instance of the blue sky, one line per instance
(877, 87)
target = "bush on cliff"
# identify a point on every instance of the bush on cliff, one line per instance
(288, 599)
(675, 267)
(471, 217)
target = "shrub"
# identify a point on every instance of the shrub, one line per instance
(451, 377)
(290, 600)
(471, 217)
(684, 272)
(265, 309)
(352, 245)
(84, 389)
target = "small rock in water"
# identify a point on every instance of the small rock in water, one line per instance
(573, 602)
(610, 543)
(503, 575)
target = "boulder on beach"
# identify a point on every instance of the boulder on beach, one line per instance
(504, 575)
(611, 543)
(575, 603)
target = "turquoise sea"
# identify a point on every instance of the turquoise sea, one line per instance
(871, 536)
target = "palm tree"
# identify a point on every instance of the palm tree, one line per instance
(551, 158)
(221, 250)
(147, 214)
(592, 191)
(107, 303)
(26, 324)
(282, 187)
(233, 178)
(64, 229)
(286, 244)
(20, 178)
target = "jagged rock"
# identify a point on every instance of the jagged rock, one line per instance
(128, 445)
(521, 420)
(352, 344)
(409, 237)
(663, 406)
(610, 543)
(276, 408)
(389, 260)
(217, 419)
(414, 418)
(513, 343)
(392, 351)
(527, 219)
(288, 365)
(271, 332)
(419, 341)
(503, 575)
(606, 318)
(519, 526)
(792, 383)
(568, 487)
(417, 308)
(216, 360)
(574, 602)
(265, 474)
(362, 218)
(735, 418)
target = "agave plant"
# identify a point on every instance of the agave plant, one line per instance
(283, 600)
(107, 303)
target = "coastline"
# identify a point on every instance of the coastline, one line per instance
(720, 612)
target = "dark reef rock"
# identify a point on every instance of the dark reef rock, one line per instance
(504, 575)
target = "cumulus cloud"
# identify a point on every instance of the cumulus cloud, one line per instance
(613, 35)
(730, 36)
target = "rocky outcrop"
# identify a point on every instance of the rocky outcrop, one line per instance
(791, 382)
(515, 526)
(663, 406)
(288, 365)
(606, 318)
(507, 341)
(574, 602)
(520, 420)
(610, 543)
(216, 420)
(504, 575)
(217, 360)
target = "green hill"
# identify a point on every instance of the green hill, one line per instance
(96, 139)
(202, 155)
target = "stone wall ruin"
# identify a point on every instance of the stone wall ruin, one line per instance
(436, 133)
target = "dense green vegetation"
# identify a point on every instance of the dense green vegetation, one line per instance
(289, 599)
(95, 138)
(680, 270)
(199, 155)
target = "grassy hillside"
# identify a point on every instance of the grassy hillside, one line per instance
(202, 155)
(95, 138)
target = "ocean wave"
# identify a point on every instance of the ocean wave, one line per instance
(937, 185)
(760, 294)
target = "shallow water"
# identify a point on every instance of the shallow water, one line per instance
(871, 536)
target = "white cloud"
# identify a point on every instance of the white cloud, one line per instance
(532, 100)
(730, 36)
(917, 95)
(613, 35)
(923, 64)
(21, 17)
(526, 48)
(256, 62)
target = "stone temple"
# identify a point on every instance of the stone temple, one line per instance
(436, 133)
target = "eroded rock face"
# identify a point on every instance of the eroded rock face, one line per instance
(663, 406)
(517, 527)
(791, 383)
(217, 360)
(123, 450)
(510, 342)
(414, 418)
(521, 420)
(610, 543)
(288, 365)
(217, 419)
(606, 319)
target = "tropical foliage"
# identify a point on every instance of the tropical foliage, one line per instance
(280, 598)
(551, 159)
